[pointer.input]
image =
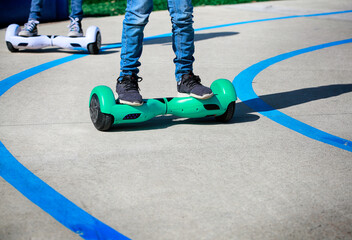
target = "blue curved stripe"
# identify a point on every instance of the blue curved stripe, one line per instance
(272, 19)
(11, 81)
(52, 202)
(40, 193)
(243, 85)
(118, 45)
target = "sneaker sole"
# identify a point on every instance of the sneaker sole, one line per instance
(134, 104)
(27, 34)
(73, 35)
(204, 97)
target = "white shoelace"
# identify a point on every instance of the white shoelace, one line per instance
(74, 25)
(30, 25)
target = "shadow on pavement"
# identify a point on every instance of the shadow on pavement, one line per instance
(296, 97)
(197, 37)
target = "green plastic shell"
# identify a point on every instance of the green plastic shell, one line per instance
(128, 114)
(189, 107)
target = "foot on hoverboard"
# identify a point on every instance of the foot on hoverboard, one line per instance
(29, 29)
(75, 28)
(128, 91)
(190, 84)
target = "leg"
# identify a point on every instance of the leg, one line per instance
(76, 10)
(182, 35)
(136, 17)
(35, 11)
(183, 45)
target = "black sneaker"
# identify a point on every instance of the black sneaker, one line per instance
(190, 84)
(128, 90)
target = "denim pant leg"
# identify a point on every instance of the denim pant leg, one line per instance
(181, 12)
(76, 9)
(136, 17)
(35, 11)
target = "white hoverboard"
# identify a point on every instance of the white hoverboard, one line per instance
(91, 42)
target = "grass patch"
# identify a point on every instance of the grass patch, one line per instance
(96, 8)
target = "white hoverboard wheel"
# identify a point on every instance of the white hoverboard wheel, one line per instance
(94, 48)
(11, 31)
(93, 32)
(11, 48)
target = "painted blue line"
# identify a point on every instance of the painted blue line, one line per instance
(118, 45)
(271, 19)
(9, 82)
(59, 207)
(37, 191)
(243, 85)
(110, 46)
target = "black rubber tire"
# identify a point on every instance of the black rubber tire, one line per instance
(10, 47)
(101, 121)
(227, 116)
(94, 48)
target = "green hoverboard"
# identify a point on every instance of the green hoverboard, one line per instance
(106, 111)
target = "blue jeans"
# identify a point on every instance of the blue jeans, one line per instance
(136, 18)
(37, 5)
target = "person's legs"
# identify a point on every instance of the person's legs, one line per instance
(136, 17)
(76, 10)
(35, 11)
(182, 35)
(181, 12)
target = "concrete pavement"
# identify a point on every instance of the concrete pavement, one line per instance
(172, 178)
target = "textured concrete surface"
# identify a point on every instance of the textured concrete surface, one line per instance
(172, 178)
